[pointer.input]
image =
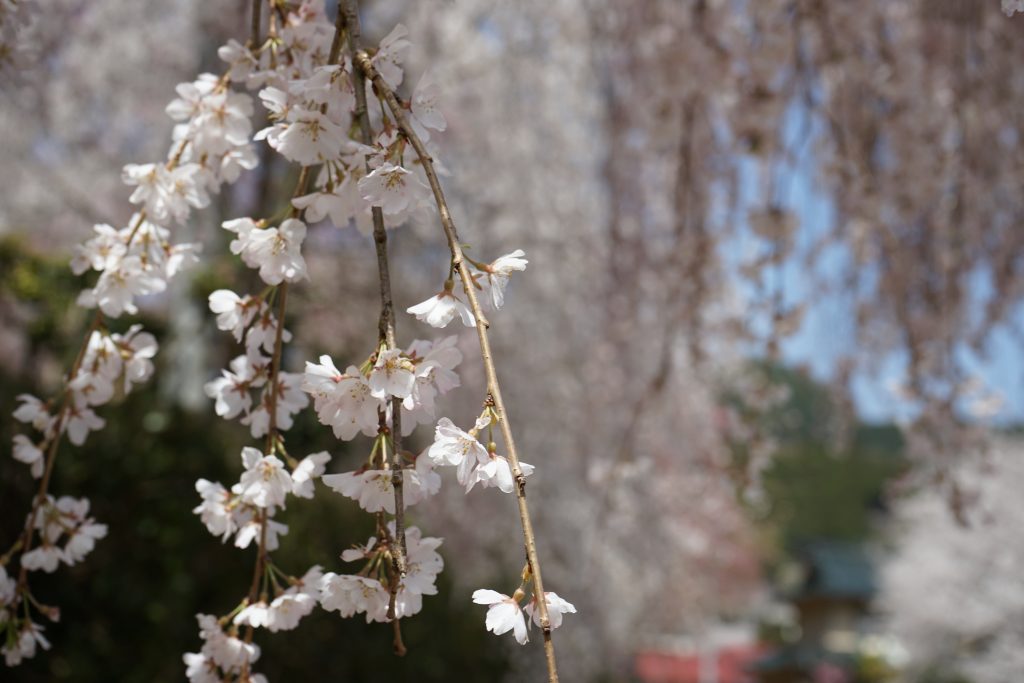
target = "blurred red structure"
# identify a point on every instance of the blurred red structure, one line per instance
(727, 664)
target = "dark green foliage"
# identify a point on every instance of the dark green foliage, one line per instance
(819, 486)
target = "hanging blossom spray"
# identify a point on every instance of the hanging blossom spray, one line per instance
(315, 97)
(320, 120)
(211, 147)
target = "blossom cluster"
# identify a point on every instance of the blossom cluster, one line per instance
(263, 487)
(23, 636)
(211, 147)
(490, 278)
(67, 534)
(505, 613)
(367, 591)
(350, 402)
(223, 655)
(251, 318)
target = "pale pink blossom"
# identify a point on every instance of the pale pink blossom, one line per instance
(503, 615)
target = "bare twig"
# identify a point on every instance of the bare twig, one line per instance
(362, 61)
(254, 31)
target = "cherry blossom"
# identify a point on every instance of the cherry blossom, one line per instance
(34, 412)
(503, 615)
(496, 275)
(452, 446)
(371, 488)
(440, 309)
(276, 252)
(389, 56)
(496, 472)
(23, 645)
(308, 469)
(556, 608)
(350, 595)
(390, 376)
(265, 482)
(118, 286)
(345, 402)
(234, 313)
(216, 509)
(425, 111)
(81, 420)
(29, 453)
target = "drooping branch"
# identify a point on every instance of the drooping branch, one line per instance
(362, 63)
(348, 16)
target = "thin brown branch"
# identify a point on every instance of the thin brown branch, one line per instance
(254, 30)
(348, 17)
(362, 61)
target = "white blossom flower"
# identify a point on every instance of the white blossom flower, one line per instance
(102, 252)
(372, 489)
(390, 54)
(234, 313)
(46, 557)
(29, 453)
(452, 446)
(255, 615)
(228, 652)
(166, 193)
(504, 614)
(445, 357)
(265, 482)
(138, 349)
(91, 389)
(231, 391)
(275, 251)
(496, 472)
(288, 608)
(350, 595)
(117, 287)
(394, 189)
(23, 645)
(343, 401)
(341, 203)
(556, 608)
(440, 309)
(251, 529)
(497, 273)
(200, 669)
(215, 511)
(82, 540)
(102, 356)
(288, 400)
(240, 59)
(390, 376)
(330, 86)
(307, 137)
(423, 562)
(308, 469)
(422, 481)
(425, 111)
(34, 412)
(262, 336)
(80, 422)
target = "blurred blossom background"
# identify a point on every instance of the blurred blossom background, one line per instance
(766, 355)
